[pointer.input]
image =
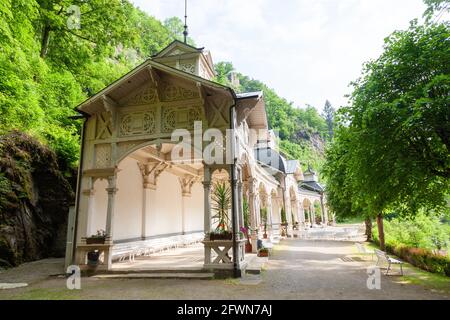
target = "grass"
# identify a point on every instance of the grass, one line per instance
(47, 294)
(416, 276)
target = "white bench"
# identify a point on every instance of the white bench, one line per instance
(382, 256)
(363, 250)
(130, 250)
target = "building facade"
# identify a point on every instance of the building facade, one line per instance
(155, 145)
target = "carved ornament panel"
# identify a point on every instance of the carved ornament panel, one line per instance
(137, 123)
(180, 118)
(171, 92)
(147, 95)
(102, 155)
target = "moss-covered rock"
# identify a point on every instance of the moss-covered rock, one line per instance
(34, 201)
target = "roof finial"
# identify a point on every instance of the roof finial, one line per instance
(185, 32)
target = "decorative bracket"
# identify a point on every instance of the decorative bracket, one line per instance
(150, 172)
(186, 183)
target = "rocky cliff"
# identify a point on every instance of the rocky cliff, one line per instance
(34, 201)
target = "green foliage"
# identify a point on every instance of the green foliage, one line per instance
(176, 28)
(47, 68)
(423, 231)
(283, 216)
(436, 8)
(246, 214)
(302, 132)
(391, 149)
(221, 204)
(264, 217)
(329, 114)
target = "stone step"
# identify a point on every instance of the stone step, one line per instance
(148, 270)
(154, 275)
(255, 265)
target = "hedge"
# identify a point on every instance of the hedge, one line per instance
(421, 258)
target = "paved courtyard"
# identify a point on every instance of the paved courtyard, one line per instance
(298, 269)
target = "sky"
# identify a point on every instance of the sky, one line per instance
(306, 50)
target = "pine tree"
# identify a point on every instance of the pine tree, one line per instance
(328, 113)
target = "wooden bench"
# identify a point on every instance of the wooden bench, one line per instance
(383, 256)
(363, 250)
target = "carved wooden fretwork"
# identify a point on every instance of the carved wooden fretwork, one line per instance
(137, 123)
(203, 73)
(124, 147)
(180, 118)
(144, 96)
(102, 155)
(186, 185)
(150, 172)
(217, 112)
(188, 67)
(176, 52)
(104, 126)
(171, 92)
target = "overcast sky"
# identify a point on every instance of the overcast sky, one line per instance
(307, 50)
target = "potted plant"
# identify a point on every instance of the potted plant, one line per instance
(263, 252)
(248, 245)
(246, 228)
(264, 220)
(220, 235)
(98, 238)
(221, 204)
(93, 257)
(284, 223)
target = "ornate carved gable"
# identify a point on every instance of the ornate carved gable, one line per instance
(171, 92)
(143, 96)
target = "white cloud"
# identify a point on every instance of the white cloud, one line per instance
(307, 50)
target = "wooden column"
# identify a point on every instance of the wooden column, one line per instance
(253, 214)
(207, 210)
(112, 190)
(186, 184)
(89, 193)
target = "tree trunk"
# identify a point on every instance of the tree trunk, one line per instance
(381, 232)
(369, 229)
(45, 41)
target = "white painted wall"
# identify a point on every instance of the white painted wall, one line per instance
(163, 206)
(97, 219)
(128, 205)
(194, 209)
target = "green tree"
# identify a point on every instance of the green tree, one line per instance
(436, 8)
(395, 134)
(328, 114)
(176, 28)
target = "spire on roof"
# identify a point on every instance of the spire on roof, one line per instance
(185, 32)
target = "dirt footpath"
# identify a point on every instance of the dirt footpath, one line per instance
(298, 269)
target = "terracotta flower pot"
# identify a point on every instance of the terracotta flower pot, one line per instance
(263, 254)
(248, 247)
(95, 240)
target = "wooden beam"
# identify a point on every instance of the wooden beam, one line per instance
(156, 79)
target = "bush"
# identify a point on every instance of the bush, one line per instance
(421, 258)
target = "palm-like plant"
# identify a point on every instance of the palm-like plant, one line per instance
(246, 213)
(221, 204)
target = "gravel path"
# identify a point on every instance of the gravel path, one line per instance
(298, 269)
